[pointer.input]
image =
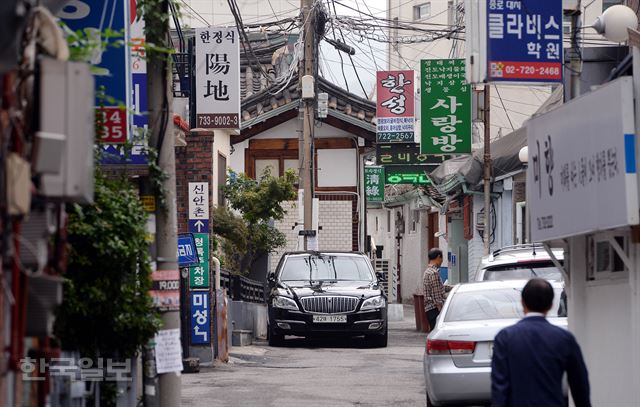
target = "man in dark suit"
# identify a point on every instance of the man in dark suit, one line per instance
(530, 357)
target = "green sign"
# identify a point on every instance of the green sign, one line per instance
(199, 274)
(374, 183)
(446, 107)
(407, 174)
(392, 154)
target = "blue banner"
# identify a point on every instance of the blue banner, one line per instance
(524, 41)
(187, 253)
(200, 318)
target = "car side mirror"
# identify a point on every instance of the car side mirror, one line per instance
(271, 278)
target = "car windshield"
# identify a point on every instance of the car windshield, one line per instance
(320, 268)
(523, 271)
(503, 303)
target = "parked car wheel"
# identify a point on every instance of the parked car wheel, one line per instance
(379, 341)
(275, 340)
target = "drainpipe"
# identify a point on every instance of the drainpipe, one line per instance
(216, 277)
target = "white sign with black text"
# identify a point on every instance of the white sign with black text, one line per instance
(582, 174)
(198, 200)
(217, 78)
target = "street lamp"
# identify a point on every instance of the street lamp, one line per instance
(615, 20)
(523, 155)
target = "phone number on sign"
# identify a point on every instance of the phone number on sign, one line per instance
(526, 70)
(217, 121)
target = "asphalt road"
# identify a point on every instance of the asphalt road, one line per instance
(310, 373)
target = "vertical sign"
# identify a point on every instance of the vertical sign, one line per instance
(374, 183)
(395, 108)
(94, 18)
(200, 318)
(446, 107)
(524, 41)
(199, 223)
(217, 78)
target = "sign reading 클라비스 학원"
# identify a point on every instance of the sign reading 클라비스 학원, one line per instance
(395, 107)
(217, 78)
(524, 40)
(374, 183)
(582, 174)
(445, 106)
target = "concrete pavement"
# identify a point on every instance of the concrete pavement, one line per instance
(310, 373)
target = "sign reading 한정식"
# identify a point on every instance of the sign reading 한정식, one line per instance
(395, 107)
(524, 41)
(217, 78)
(374, 183)
(446, 107)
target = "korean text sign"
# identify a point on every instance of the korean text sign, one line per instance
(524, 40)
(582, 174)
(199, 272)
(404, 153)
(407, 174)
(217, 78)
(395, 106)
(446, 107)
(374, 183)
(200, 318)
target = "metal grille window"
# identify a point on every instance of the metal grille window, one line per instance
(329, 305)
(422, 11)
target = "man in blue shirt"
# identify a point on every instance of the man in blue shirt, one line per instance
(531, 357)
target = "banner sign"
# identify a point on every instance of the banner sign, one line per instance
(200, 318)
(165, 290)
(395, 107)
(374, 183)
(446, 107)
(198, 200)
(407, 174)
(94, 17)
(199, 273)
(582, 175)
(405, 153)
(524, 41)
(217, 78)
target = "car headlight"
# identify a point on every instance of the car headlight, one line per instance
(284, 303)
(373, 303)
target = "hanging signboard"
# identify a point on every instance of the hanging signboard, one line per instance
(217, 78)
(524, 41)
(198, 201)
(395, 107)
(407, 174)
(94, 18)
(187, 252)
(582, 174)
(405, 153)
(446, 107)
(200, 318)
(199, 273)
(374, 183)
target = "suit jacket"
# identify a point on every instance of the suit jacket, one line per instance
(529, 360)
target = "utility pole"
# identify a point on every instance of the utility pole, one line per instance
(487, 168)
(304, 148)
(161, 138)
(575, 63)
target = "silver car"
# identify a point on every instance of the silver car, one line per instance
(518, 262)
(457, 359)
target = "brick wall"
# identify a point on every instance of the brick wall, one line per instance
(194, 163)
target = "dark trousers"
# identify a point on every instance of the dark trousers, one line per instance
(432, 315)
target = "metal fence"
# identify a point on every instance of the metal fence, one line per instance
(242, 288)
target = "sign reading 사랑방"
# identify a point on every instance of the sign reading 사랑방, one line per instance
(395, 107)
(217, 78)
(524, 41)
(374, 183)
(445, 107)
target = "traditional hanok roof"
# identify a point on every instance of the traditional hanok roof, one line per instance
(267, 103)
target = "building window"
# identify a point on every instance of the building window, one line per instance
(608, 3)
(222, 178)
(452, 14)
(415, 220)
(422, 11)
(388, 221)
(604, 260)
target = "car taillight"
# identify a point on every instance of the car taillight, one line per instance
(438, 347)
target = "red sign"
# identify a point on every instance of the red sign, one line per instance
(395, 94)
(165, 291)
(546, 71)
(113, 124)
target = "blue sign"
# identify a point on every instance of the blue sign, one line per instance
(200, 318)
(524, 40)
(187, 253)
(199, 225)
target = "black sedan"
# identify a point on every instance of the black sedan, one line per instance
(313, 293)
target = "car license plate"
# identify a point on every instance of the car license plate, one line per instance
(331, 319)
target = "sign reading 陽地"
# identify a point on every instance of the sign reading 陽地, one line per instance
(524, 41)
(374, 183)
(217, 78)
(445, 106)
(395, 107)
